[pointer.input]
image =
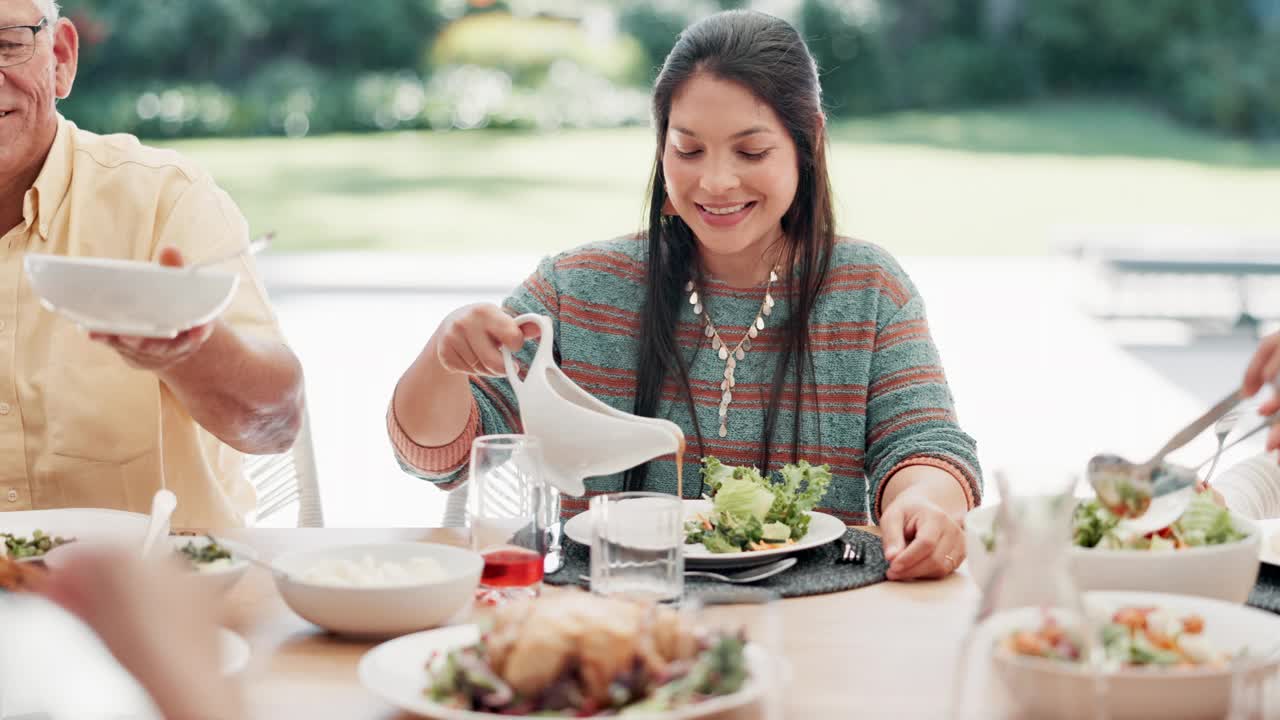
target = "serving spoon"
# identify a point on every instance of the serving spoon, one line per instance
(1152, 495)
(255, 246)
(162, 506)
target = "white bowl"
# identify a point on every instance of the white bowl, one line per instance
(128, 297)
(1052, 689)
(380, 611)
(215, 579)
(1226, 572)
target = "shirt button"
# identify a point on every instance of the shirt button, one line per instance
(13, 496)
(1, 324)
(4, 408)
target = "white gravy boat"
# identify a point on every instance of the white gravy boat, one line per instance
(581, 436)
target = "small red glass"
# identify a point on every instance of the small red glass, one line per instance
(507, 513)
(511, 568)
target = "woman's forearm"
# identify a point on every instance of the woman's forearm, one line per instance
(938, 485)
(431, 403)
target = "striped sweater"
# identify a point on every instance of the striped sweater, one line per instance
(882, 401)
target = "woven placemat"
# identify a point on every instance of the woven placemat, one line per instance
(1266, 592)
(815, 574)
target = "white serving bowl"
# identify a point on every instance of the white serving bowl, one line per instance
(380, 611)
(1226, 572)
(129, 297)
(218, 578)
(1060, 690)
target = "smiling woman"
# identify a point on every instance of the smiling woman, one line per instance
(738, 308)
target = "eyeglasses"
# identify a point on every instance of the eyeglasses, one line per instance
(18, 42)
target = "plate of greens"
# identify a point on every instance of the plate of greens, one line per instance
(746, 518)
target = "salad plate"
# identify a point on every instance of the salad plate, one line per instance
(397, 671)
(85, 525)
(823, 528)
(749, 519)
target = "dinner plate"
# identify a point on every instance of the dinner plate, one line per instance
(129, 297)
(87, 525)
(823, 528)
(396, 671)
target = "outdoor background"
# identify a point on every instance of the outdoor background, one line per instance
(1025, 159)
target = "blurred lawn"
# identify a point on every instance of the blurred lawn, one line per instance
(975, 182)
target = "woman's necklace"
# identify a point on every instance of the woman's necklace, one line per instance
(739, 351)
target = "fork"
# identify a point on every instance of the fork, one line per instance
(1222, 429)
(851, 554)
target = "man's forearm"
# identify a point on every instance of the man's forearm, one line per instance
(245, 391)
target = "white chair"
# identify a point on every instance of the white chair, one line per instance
(288, 479)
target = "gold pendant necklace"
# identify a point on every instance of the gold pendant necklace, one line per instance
(739, 351)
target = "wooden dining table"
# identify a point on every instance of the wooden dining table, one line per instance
(888, 650)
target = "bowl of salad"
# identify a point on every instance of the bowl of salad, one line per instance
(1209, 551)
(1158, 656)
(215, 564)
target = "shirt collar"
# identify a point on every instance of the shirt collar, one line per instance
(46, 195)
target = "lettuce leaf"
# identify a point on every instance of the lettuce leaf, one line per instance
(743, 498)
(1206, 523)
(745, 501)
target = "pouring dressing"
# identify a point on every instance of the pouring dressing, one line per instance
(582, 436)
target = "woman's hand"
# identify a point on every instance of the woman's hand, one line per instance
(1264, 368)
(921, 539)
(470, 340)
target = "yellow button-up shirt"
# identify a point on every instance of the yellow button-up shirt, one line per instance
(78, 426)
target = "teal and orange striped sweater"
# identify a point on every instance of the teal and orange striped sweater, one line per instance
(882, 401)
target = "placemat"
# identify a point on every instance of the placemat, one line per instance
(815, 574)
(1266, 592)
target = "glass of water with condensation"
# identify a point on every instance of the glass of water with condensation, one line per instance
(637, 541)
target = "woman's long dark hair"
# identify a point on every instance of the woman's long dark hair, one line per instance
(768, 57)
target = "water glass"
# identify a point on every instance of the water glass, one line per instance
(637, 541)
(508, 515)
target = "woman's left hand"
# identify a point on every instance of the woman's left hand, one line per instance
(921, 540)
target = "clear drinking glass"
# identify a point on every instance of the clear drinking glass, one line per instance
(637, 541)
(508, 514)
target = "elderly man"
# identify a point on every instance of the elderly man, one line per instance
(104, 421)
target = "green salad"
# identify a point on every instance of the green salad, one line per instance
(1204, 523)
(207, 554)
(753, 512)
(18, 546)
(1093, 526)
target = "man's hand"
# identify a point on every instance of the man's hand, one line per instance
(158, 355)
